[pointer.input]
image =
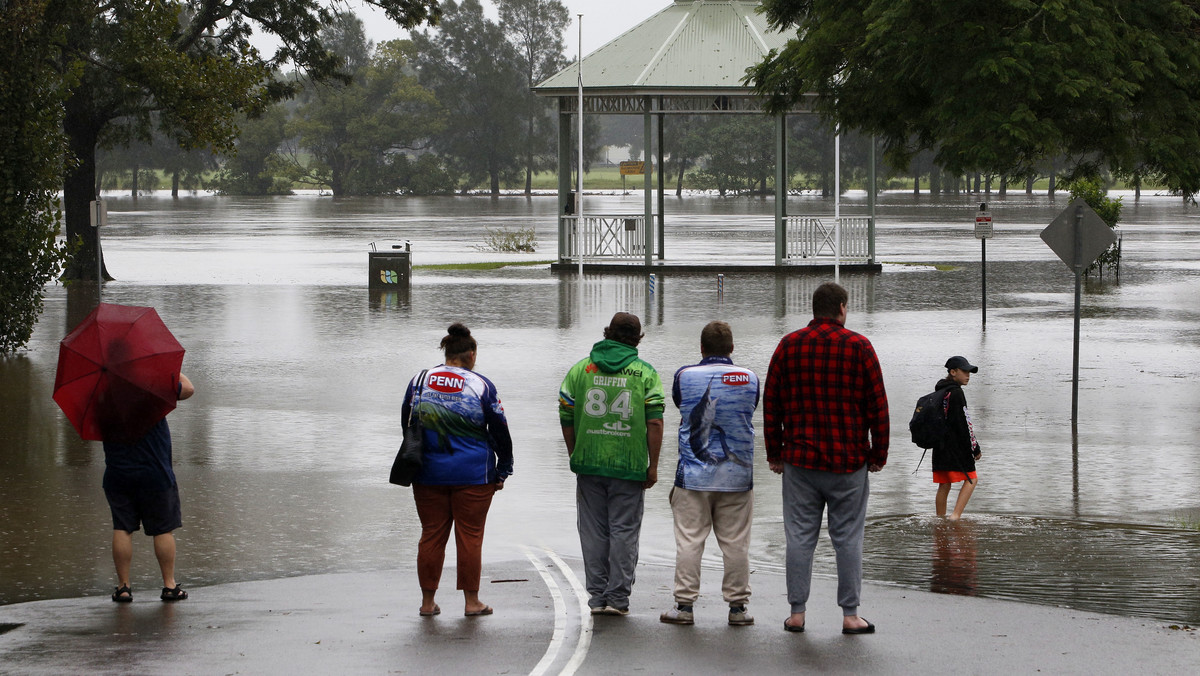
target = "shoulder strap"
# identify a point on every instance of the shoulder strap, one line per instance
(417, 389)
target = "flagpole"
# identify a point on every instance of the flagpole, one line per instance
(579, 169)
(837, 205)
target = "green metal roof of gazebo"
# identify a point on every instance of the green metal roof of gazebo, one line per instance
(690, 47)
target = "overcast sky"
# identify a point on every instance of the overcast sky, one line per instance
(603, 20)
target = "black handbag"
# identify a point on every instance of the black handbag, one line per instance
(408, 460)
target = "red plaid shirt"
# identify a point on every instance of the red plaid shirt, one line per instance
(824, 406)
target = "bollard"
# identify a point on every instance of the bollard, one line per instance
(720, 285)
(651, 283)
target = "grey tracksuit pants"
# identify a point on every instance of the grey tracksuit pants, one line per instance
(610, 522)
(806, 494)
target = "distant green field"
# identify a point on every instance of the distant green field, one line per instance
(609, 178)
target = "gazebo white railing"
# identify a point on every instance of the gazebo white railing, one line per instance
(811, 237)
(615, 237)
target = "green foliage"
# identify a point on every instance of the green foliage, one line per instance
(353, 132)
(427, 175)
(1109, 210)
(471, 68)
(186, 67)
(535, 28)
(490, 265)
(32, 152)
(257, 167)
(1002, 86)
(503, 240)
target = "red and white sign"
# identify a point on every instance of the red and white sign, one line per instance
(736, 378)
(445, 382)
(983, 225)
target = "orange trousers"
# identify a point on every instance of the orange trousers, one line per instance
(463, 507)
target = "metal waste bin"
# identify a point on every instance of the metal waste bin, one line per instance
(389, 265)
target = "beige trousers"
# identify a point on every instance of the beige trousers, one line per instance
(728, 515)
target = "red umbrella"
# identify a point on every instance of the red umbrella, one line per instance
(118, 373)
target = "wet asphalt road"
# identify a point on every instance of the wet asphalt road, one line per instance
(366, 623)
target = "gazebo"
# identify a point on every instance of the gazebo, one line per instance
(689, 58)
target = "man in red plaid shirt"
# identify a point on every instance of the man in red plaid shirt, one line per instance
(825, 416)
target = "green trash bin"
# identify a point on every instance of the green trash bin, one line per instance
(389, 266)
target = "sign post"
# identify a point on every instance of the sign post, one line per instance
(983, 230)
(631, 168)
(1078, 235)
(99, 217)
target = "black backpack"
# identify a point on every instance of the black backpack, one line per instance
(928, 422)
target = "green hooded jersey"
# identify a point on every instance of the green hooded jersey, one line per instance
(608, 398)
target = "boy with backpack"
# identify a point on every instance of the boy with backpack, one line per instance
(955, 450)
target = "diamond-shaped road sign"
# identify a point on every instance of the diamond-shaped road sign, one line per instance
(1095, 236)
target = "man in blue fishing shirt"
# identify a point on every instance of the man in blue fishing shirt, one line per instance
(714, 479)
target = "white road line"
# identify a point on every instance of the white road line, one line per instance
(560, 617)
(585, 615)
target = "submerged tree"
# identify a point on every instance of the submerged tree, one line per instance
(536, 28)
(471, 68)
(256, 168)
(358, 131)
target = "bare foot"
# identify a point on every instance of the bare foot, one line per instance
(853, 624)
(794, 622)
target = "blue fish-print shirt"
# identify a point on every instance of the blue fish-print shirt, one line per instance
(466, 434)
(716, 403)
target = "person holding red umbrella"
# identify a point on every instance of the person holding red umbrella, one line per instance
(118, 377)
(139, 483)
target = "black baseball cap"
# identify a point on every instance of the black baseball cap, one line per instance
(961, 364)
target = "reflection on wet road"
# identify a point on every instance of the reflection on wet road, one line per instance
(282, 454)
(1128, 569)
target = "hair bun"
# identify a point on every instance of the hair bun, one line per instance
(459, 329)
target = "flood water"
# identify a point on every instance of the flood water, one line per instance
(283, 453)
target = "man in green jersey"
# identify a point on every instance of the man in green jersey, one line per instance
(611, 408)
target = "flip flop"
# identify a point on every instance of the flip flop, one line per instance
(122, 595)
(486, 610)
(792, 628)
(869, 629)
(430, 613)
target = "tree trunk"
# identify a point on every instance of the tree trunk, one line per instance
(337, 183)
(495, 176)
(917, 184)
(935, 181)
(1029, 185)
(79, 189)
(175, 184)
(679, 183)
(133, 191)
(1003, 184)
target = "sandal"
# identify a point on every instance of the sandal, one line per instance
(176, 594)
(123, 594)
